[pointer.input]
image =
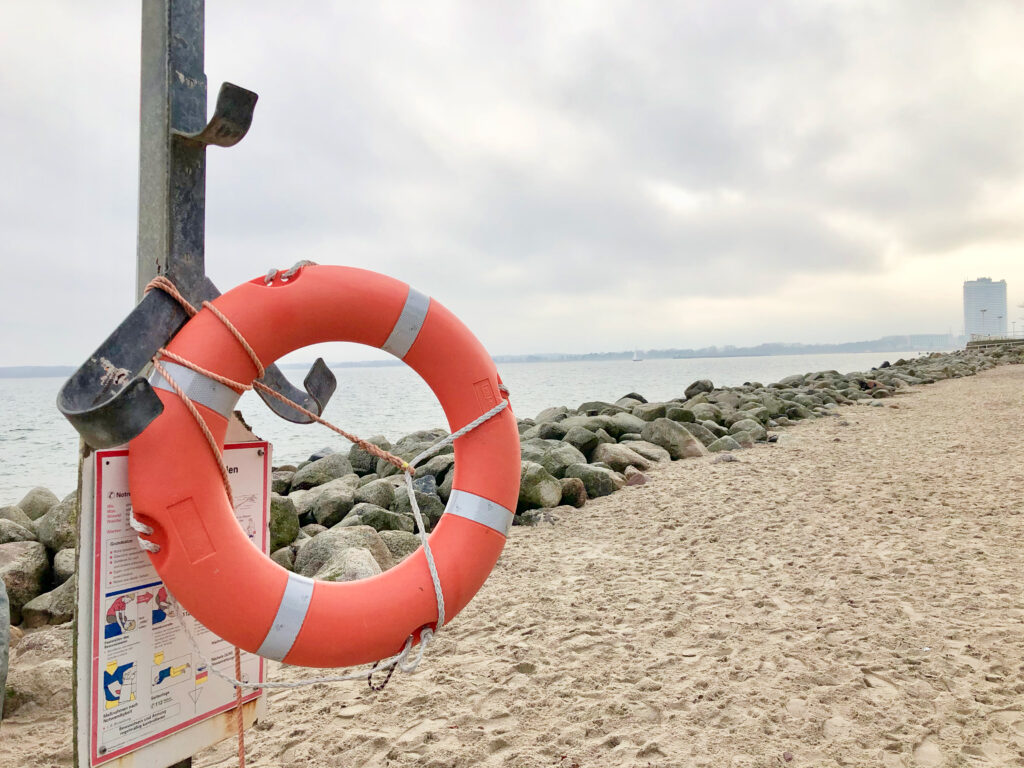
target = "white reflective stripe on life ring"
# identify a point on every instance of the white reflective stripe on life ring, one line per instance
(290, 615)
(481, 510)
(409, 323)
(199, 388)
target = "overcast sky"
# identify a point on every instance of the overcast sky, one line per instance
(573, 177)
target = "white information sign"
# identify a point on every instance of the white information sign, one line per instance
(146, 680)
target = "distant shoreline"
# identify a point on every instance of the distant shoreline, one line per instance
(36, 371)
(886, 345)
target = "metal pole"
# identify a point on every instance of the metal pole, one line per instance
(172, 170)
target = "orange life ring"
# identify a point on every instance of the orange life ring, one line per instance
(208, 562)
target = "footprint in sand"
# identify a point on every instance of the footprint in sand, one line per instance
(835, 727)
(927, 754)
(990, 753)
(690, 655)
(877, 682)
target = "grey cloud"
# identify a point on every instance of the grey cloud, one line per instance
(504, 150)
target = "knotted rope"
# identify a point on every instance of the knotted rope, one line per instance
(399, 661)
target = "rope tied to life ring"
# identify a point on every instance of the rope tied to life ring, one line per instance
(401, 660)
(408, 468)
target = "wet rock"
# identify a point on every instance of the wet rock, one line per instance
(25, 569)
(300, 541)
(574, 492)
(284, 521)
(334, 499)
(40, 671)
(363, 462)
(559, 457)
(422, 483)
(701, 432)
(379, 492)
(671, 436)
(795, 380)
(284, 557)
(597, 480)
(716, 429)
(705, 412)
(529, 517)
(557, 413)
(618, 457)
(699, 386)
(38, 502)
(378, 518)
(437, 466)
(400, 543)
(315, 554)
(582, 439)
(350, 564)
(445, 490)
(597, 408)
(751, 427)
(533, 449)
(678, 413)
(65, 563)
(753, 411)
(726, 443)
(624, 423)
(58, 528)
(54, 607)
(410, 446)
(15, 515)
(550, 430)
(431, 506)
(592, 423)
(281, 480)
(322, 453)
(649, 451)
(538, 487)
(649, 411)
(634, 476)
(303, 501)
(743, 438)
(321, 471)
(797, 412)
(11, 531)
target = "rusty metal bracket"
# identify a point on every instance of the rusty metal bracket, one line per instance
(109, 402)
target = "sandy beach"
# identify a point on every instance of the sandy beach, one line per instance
(849, 596)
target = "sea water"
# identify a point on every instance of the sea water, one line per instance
(38, 447)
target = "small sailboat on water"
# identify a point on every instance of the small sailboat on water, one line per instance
(636, 356)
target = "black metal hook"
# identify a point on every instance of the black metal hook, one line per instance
(109, 403)
(231, 119)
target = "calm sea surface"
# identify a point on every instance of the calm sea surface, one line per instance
(38, 447)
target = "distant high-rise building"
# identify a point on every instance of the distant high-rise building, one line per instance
(985, 307)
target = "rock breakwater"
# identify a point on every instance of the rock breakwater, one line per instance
(342, 516)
